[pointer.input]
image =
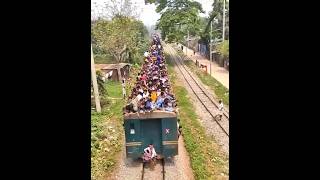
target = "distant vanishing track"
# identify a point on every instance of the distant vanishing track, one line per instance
(199, 91)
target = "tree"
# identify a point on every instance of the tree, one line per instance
(101, 84)
(178, 17)
(125, 8)
(94, 84)
(151, 1)
(216, 16)
(116, 34)
(119, 37)
(112, 37)
(223, 48)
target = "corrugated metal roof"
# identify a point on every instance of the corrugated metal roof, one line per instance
(110, 66)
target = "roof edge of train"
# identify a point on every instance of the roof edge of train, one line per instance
(150, 115)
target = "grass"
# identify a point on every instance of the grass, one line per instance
(107, 130)
(219, 90)
(207, 160)
(114, 89)
(106, 133)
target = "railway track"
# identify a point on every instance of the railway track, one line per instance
(225, 112)
(153, 172)
(199, 91)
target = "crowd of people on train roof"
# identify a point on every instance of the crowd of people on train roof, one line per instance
(152, 90)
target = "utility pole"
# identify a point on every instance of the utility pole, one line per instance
(187, 44)
(95, 84)
(223, 20)
(210, 45)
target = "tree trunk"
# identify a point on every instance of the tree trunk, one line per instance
(119, 58)
(95, 84)
(130, 58)
(119, 73)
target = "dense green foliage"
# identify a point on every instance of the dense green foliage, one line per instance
(223, 49)
(122, 38)
(177, 18)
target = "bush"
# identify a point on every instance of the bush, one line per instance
(101, 84)
(223, 49)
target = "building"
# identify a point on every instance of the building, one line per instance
(114, 71)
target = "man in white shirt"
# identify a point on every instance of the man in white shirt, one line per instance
(149, 153)
(145, 94)
(146, 54)
(140, 96)
(220, 107)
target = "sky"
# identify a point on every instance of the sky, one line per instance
(148, 14)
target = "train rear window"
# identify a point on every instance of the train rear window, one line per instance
(132, 131)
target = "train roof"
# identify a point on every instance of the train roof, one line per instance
(150, 115)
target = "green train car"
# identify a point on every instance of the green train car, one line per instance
(158, 128)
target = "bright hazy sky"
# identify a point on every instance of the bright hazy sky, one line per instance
(148, 14)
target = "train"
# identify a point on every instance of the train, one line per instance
(158, 126)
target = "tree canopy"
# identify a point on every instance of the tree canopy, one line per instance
(120, 37)
(117, 32)
(177, 18)
(216, 16)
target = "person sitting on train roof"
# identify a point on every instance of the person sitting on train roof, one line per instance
(134, 102)
(145, 85)
(146, 54)
(145, 93)
(158, 92)
(162, 79)
(141, 105)
(152, 80)
(139, 96)
(148, 105)
(154, 53)
(167, 105)
(153, 96)
(131, 106)
(143, 77)
(158, 59)
(134, 91)
(160, 100)
(153, 47)
(168, 95)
